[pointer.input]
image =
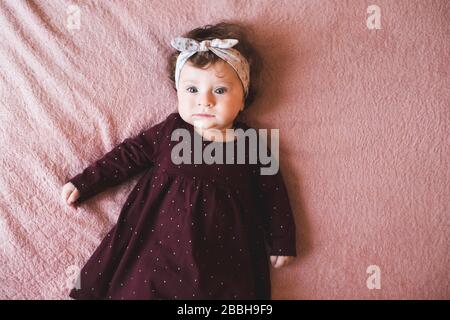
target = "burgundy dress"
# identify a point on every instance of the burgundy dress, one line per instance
(187, 231)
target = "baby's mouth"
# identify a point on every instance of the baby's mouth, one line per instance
(203, 115)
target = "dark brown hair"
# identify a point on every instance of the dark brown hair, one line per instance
(222, 30)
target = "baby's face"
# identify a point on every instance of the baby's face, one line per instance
(210, 98)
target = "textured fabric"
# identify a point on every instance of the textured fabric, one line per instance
(363, 119)
(187, 231)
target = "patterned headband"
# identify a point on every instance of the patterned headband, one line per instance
(221, 48)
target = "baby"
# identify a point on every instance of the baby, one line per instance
(191, 231)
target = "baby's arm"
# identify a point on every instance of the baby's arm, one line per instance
(124, 161)
(278, 219)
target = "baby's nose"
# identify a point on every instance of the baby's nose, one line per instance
(206, 100)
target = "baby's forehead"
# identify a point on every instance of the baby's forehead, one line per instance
(219, 69)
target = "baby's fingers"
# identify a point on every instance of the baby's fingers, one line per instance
(73, 196)
(65, 193)
(273, 260)
(280, 261)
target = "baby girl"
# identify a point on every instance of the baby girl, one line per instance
(191, 231)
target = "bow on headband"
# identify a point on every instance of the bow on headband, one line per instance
(221, 48)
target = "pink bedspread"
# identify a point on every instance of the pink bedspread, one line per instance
(363, 118)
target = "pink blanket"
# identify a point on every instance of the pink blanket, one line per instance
(363, 118)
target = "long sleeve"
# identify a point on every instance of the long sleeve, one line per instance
(125, 160)
(279, 221)
(276, 211)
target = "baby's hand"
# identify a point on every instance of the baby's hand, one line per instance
(280, 261)
(69, 193)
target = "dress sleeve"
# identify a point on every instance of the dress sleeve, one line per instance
(128, 158)
(278, 221)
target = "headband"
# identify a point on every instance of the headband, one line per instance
(221, 48)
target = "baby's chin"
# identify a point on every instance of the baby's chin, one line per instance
(202, 123)
(199, 123)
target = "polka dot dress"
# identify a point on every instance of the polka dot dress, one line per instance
(186, 231)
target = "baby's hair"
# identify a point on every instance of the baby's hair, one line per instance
(222, 30)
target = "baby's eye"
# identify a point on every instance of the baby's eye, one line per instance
(221, 90)
(193, 88)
